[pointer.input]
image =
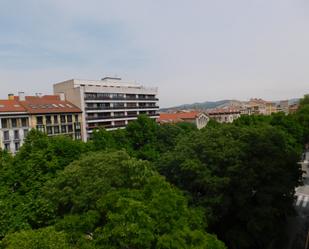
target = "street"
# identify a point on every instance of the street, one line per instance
(298, 226)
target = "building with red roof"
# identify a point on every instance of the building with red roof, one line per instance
(200, 119)
(51, 114)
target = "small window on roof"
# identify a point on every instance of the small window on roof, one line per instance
(61, 105)
(54, 105)
(1, 106)
(68, 105)
(16, 105)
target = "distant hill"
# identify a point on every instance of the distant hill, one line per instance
(215, 104)
(204, 105)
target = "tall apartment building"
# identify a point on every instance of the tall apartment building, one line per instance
(110, 102)
(50, 114)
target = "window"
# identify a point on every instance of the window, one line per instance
(63, 129)
(55, 119)
(6, 135)
(4, 123)
(7, 147)
(62, 118)
(69, 118)
(118, 114)
(40, 128)
(70, 128)
(78, 136)
(76, 118)
(49, 130)
(24, 122)
(56, 129)
(26, 133)
(39, 120)
(17, 146)
(48, 120)
(14, 122)
(16, 135)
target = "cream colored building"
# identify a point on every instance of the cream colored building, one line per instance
(110, 103)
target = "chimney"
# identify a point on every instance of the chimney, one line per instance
(21, 96)
(62, 96)
(10, 96)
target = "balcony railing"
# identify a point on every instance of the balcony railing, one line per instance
(119, 117)
(119, 98)
(120, 107)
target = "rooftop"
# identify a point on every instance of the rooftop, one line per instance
(38, 105)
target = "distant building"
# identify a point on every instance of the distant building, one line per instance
(50, 114)
(293, 108)
(224, 115)
(283, 106)
(110, 102)
(198, 118)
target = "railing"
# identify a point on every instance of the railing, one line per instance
(120, 107)
(119, 117)
(119, 98)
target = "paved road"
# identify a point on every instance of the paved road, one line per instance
(299, 226)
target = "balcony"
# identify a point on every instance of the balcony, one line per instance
(119, 98)
(99, 108)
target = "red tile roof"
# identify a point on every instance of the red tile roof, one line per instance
(177, 117)
(11, 106)
(48, 104)
(38, 105)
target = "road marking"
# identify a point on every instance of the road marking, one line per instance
(299, 199)
(305, 201)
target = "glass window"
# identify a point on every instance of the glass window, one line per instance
(70, 128)
(39, 120)
(48, 120)
(78, 136)
(7, 147)
(6, 135)
(62, 118)
(49, 130)
(4, 123)
(26, 133)
(76, 118)
(69, 118)
(24, 122)
(17, 146)
(55, 119)
(56, 129)
(63, 129)
(14, 122)
(16, 134)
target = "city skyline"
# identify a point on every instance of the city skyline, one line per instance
(193, 51)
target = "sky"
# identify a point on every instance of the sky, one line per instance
(192, 50)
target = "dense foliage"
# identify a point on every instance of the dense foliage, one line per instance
(155, 186)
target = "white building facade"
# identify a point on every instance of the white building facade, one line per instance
(109, 103)
(14, 125)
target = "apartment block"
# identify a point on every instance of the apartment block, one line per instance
(14, 124)
(110, 102)
(51, 114)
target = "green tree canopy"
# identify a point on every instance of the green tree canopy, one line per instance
(125, 204)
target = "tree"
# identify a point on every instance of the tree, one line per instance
(123, 203)
(142, 138)
(46, 238)
(244, 176)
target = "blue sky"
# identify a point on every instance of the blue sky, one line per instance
(193, 50)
